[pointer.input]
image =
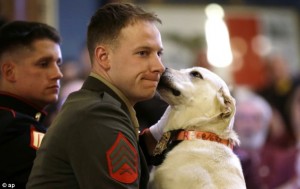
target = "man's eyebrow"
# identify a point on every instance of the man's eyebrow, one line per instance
(49, 58)
(150, 48)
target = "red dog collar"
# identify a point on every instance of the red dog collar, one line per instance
(192, 135)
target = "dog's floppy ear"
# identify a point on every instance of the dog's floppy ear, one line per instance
(227, 104)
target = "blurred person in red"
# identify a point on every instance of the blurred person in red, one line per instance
(294, 183)
(265, 166)
(278, 92)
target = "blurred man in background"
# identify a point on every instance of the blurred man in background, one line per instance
(30, 57)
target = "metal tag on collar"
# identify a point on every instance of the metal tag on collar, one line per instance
(162, 144)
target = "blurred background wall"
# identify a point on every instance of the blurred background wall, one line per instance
(253, 26)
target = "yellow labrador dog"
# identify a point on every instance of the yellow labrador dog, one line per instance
(198, 134)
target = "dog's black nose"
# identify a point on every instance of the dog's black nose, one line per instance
(166, 70)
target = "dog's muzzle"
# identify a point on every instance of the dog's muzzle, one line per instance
(165, 83)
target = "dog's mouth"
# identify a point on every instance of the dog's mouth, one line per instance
(166, 84)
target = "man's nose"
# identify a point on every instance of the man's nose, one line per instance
(158, 65)
(56, 72)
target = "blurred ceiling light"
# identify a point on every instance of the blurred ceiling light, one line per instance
(219, 52)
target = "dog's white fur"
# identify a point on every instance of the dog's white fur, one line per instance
(199, 100)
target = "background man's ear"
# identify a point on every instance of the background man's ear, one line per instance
(8, 71)
(101, 56)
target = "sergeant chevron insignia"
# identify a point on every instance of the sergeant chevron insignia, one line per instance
(122, 160)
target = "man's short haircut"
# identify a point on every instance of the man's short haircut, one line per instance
(17, 34)
(109, 20)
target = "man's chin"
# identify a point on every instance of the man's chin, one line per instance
(51, 99)
(147, 96)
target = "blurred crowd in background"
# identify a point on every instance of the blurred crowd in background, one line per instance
(267, 119)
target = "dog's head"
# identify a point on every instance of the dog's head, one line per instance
(199, 100)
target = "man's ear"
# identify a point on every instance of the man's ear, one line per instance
(101, 56)
(8, 71)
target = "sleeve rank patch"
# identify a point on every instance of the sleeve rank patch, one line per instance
(35, 138)
(122, 160)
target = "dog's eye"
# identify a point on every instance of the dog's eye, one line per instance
(196, 74)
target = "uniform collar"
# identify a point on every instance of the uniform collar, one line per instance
(123, 98)
(18, 104)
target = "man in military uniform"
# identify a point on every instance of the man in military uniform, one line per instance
(93, 142)
(29, 80)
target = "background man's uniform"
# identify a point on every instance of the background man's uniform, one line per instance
(21, 132)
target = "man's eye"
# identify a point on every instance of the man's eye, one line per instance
(43, 64)
(143, 53)
(196, 74)
(160, 53)
(59, 63)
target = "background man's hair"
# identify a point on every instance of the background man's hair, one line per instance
(23, 33)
